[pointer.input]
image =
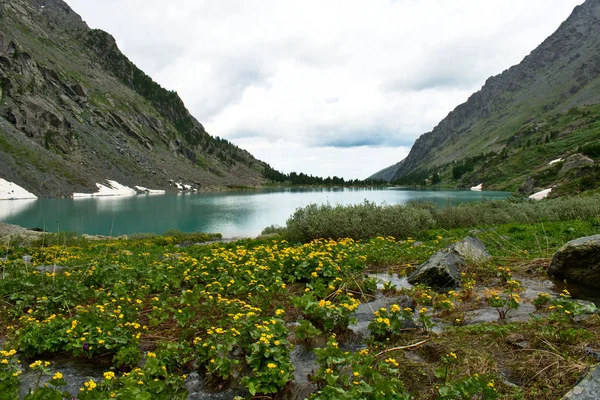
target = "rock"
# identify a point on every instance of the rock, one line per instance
(528, 187)
(578, 261)
(573, 162)
(49, 268)
(588, 387)
(441, 272)
(471, 249)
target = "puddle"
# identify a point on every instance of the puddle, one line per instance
(198, 390)
(75, 373)
(305, 364)
(394, 279)
(580, 292)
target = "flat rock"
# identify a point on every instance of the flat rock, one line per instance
(588, 388)
(578, 261)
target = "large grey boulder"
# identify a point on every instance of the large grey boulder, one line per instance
(471, 249)
(578, 261)
(588, 388)
(442, 271)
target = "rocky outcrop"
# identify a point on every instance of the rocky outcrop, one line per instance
(578, 261)
(588, 388)
(528, 187)
(576, 161)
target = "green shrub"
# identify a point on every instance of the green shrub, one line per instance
(368, 220)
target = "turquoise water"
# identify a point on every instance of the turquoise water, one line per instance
(234, 214)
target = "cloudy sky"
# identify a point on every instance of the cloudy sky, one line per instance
(321, 86)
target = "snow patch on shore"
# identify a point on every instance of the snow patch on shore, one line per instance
(149, 191)
(541, 194)
(182, 187)
(12, 191)
(113, 188)
(555, 161)
(477, 188)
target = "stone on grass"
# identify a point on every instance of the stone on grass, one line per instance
(578, 261)
(588, 388)
(471, 249)
(441, 272)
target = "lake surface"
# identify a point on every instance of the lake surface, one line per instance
(232, 213)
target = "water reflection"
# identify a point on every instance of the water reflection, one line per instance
(12, 208)
(234, 214)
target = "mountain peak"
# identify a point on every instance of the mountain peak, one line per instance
(563, 72)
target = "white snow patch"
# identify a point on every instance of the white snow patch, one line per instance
(12, 191)
(179, 186)
(555, 161)
(149, 191)
(541, 194)
(182, 187)
(477, 188)
(113, 188)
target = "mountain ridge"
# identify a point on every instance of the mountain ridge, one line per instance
(75, 111)
(563, 72)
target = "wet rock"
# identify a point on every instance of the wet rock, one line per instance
(588, 388)
(471, 249)
(441, 272)
(578, 261)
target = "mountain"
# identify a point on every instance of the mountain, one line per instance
(75, 111)
(523, 102)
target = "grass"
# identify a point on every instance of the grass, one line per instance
(199, 307)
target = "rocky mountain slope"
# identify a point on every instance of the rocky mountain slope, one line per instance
(561, 74)
(75, 111)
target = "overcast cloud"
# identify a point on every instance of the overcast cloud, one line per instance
(321, 86)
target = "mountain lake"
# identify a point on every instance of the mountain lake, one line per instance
(234, 214)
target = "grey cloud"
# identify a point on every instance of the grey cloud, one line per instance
(345, 137)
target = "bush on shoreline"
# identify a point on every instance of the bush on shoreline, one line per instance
(367, 220)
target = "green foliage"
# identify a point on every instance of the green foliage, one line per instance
(359, 221)
(346, 375)
(390, 322)
(9, 374)
(368, 220)
(303, 179)
(473, 387)
(329, 315)
(306, 331)
(591, 150)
